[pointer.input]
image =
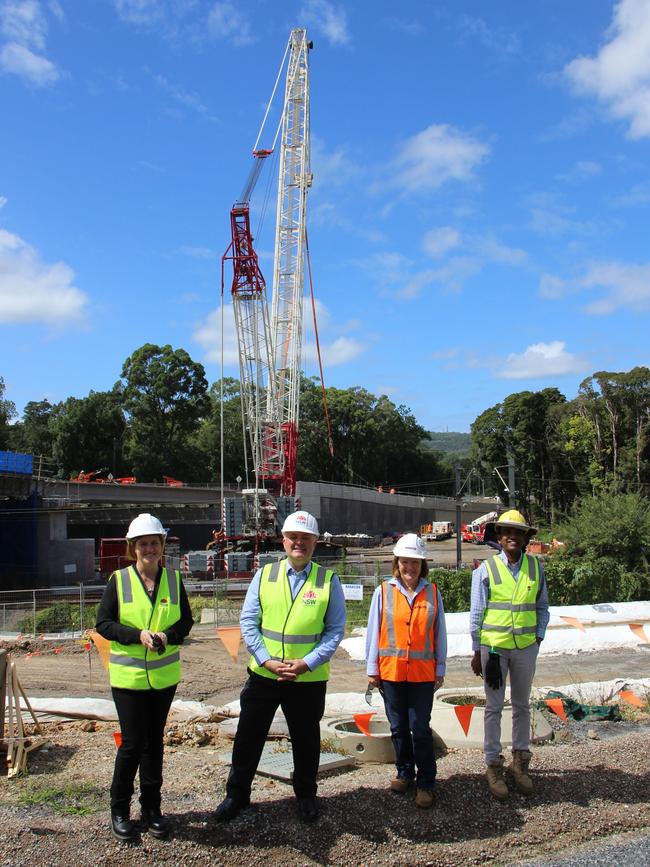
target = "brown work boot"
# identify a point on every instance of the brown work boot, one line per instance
(496, 782)
(424, 798)
(400, 785)
(519, 767)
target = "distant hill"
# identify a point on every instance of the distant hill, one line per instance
(449, 442)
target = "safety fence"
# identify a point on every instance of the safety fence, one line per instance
(68, 611)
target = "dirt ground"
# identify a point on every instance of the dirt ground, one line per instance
(590, 784)
(210, 675)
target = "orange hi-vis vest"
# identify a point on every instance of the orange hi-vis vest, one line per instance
(406, 634)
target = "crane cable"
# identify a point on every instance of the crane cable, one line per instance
(330, 441)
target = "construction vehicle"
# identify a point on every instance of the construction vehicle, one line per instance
(474, 533)
(436, 531)
(270, 345)
(103, 477)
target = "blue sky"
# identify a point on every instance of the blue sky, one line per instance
(479, 219)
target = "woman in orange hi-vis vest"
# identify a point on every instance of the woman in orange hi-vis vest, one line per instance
(406, 654)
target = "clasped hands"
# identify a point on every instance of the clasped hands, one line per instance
(288, 669)
(147, 638)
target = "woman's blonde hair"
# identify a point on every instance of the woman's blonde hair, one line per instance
(424, 568)
(130, 546)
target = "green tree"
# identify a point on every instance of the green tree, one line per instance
(374, 441)
(33, 433)
(86, 433)
(7, 412)
(165, 396)
(208, 435)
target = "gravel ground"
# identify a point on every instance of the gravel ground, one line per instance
(586, 790)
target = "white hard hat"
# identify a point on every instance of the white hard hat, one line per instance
(300, 522)
(410, 545)
(145, 525)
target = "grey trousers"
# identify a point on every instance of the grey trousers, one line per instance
(520, 664)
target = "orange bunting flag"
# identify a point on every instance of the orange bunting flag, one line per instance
(103, 646)
(639, 631)
(117, 737)
(573, 621)
(631, 698)
(58, 649)
(36, 653)
(28, 656)
(557, 706)
(230, 637)
(464, 715)
(362, 721)
(87, 646)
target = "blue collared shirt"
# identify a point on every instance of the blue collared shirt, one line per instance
(374, 622)
(251, 618)
(481, 594)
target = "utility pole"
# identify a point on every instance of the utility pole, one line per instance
(459, 553)
(511, 481)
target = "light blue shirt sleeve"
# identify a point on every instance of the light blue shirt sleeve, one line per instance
(481, 592)
(251, 618)
(372, 634)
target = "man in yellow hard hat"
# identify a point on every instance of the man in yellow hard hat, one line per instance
(508, 619)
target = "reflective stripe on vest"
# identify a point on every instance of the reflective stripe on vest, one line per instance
(133, 666)
(406, 634)
(510, 618)
(291, 628)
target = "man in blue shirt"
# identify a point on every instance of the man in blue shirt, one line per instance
(506, 635)
(292, 621)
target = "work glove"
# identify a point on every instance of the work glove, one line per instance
(492, 673)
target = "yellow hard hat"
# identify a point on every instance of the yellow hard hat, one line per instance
(513, 518)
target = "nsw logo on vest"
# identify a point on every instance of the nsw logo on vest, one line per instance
(309, 597)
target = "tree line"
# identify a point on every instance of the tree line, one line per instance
(161, 418)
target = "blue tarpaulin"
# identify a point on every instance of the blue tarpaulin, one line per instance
(15, 462)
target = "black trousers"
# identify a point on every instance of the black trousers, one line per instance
(303, 705)
(142, 714)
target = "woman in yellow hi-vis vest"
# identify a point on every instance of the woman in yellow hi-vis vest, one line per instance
(145, 614)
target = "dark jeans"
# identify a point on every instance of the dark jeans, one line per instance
(303, 705)
(408, 708)
(142, 714)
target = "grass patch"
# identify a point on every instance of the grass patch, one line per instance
(70, 799)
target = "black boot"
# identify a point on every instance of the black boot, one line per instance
(158, 825)
(122, 827)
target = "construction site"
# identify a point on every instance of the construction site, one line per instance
(61, 540)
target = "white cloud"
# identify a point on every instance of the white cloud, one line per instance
(331, 168)
(23, 25)
(495, 38)
(140, 11)
(3, 201)
(452, 276)
(226, 21)
(437, 154)
(326, 18)
(33, 291)
(619, 75)
(541, 361)
(337, 350)
(184, 97)
(624, 285)
(551, 286)
(437, 242)
(495, 251)
(21, 61)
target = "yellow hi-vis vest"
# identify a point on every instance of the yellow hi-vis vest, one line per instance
(510, 619)
(291, 628)
(133, 666)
